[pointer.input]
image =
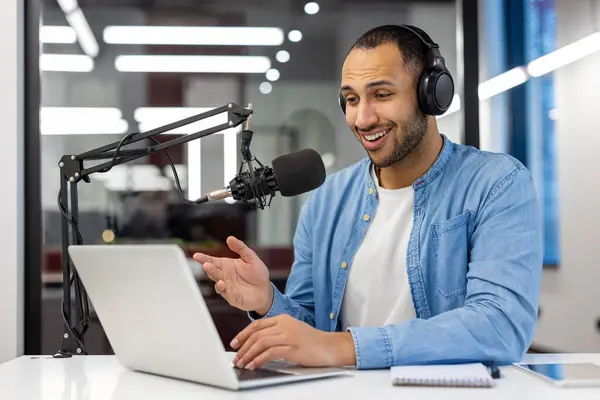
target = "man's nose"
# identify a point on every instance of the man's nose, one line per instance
(366, 115)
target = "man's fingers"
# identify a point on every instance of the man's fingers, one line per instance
(256, 337)
(271, 354)
(222, 288)
(218, 262)
(262, 344)
(214, 273)
(255, 326)
(228, 291)
(245, 252)
(202, 258)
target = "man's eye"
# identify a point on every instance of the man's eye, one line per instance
(350, 99)
(382, 95)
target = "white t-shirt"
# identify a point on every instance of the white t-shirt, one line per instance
(377, 291)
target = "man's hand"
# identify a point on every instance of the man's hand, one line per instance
(243, 282)
(286, 338)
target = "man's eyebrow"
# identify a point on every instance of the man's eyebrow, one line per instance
(380, 83)
(370, 85)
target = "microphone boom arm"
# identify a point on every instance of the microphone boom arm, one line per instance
(72, 171)
(72, 165)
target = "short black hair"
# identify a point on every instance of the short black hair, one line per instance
(412, 49)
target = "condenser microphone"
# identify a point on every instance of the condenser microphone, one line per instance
(292, 174)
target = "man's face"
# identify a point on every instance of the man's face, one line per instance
(381, 104)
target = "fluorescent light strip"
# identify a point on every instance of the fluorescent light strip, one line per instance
(68, 5)
(82, 29)
(194, 164)
(194, 35)
(230, 150)
(84, 33)
(135, 177)
(81, 121)
(98, 127)
(66, 63)
(57, 34)
(169, 114)
(154, 117)
(502, 82)
(194, 151)
(80, 113)
(565, 55)
(197, 64)
(540, 66)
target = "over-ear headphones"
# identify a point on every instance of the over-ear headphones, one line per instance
(435, 89)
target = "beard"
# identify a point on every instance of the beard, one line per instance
(413, 131)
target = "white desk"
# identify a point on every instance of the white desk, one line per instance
(102, 377)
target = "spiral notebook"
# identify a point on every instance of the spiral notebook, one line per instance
(460, 375)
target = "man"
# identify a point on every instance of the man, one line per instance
(426, 251)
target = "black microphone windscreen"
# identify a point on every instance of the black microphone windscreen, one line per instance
(299, 172)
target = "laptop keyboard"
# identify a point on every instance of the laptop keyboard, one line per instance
(246, 374)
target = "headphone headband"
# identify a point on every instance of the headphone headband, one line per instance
(427, 41)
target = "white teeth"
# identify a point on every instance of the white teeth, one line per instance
(376, 135)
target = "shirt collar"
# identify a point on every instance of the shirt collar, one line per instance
(439, 165)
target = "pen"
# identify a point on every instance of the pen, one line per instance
(494, 371)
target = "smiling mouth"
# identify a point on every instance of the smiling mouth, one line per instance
(375, 136)
(375, 141)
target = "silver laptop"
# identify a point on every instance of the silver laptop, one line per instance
(156, 320)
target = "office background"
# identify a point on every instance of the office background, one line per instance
(57, 106)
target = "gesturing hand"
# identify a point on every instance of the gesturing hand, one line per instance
(284, 337)
(243, 282)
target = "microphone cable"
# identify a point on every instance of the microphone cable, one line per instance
(201, 200)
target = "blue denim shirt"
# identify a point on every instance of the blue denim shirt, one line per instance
(474, 261)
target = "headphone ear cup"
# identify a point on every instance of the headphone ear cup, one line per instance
(342, 101)
(422, 93)
(435, 91)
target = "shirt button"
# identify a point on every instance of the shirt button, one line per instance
(331, 316)
(371, 190)
(366, 217)
(344, 265)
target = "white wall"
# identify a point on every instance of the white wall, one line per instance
(11, 202)
(570, 298)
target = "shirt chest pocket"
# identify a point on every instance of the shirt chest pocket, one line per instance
(451, 254)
